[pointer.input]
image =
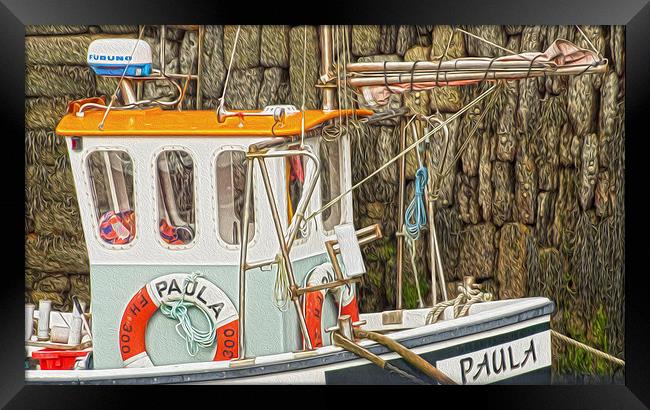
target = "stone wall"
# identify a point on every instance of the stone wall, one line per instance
(534, 206)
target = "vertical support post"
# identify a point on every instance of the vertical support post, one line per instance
(163, 40)
(284, 250)
(139, 86)
(242, 258)
(432, 243)
(400, 216)
(199, 68)
(432, 249)
(443, 284)
(326, 63)
(299, 215)
(127, 92)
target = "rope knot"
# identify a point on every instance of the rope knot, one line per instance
(421, 178)
(461, 304)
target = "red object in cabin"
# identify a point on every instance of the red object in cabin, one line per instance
(51, 359)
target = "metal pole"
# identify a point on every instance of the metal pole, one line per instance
(299, 215)
(161, 53)
(199, 68)
(242, 259)
(326, 63)
(400, 216)
(284, 250)
(443, 284)
(411, 357)
(432, 249)
(127, 92)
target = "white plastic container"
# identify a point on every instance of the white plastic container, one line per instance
(74, 337)
(350, 250)
(29, 320)
(44, 309)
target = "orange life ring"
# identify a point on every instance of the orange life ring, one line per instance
(313, 301)
(203, 293)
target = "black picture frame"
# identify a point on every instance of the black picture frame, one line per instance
(635, 14)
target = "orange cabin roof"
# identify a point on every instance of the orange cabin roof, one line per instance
(158, 122)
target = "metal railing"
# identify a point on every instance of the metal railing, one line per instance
(279, 147)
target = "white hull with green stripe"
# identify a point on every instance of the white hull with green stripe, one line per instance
(497, 342)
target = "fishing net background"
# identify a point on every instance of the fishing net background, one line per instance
(534, 206)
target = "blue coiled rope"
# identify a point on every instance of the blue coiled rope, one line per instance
(415, 216)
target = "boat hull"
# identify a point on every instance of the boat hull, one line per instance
(510, 343)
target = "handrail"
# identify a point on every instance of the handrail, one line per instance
(285, 241)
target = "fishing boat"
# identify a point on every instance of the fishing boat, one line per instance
(222, 247)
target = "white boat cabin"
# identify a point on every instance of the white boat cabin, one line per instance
(161, 192)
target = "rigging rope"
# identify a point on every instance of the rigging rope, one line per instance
(589, 41)
(119, 83)
(465, 143)
(178, 310)
(405, 151)
(590, 349)
(488, 42)
(232, 57)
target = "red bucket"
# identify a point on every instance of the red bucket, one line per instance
(51, 359)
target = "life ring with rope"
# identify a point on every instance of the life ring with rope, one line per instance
(166, 290)
(344, 297)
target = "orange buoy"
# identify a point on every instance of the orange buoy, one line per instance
(169, 288)
(345, 300)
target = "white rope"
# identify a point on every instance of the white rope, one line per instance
(590, 349)
(465, 299)
(281, 291)
(178, 310)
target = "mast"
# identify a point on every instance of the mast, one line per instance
(400, 216)
(326, 63)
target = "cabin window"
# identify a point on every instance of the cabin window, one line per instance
(296, 168)
(330, 182)
(111, 180)
(176, 204)
(231, 184)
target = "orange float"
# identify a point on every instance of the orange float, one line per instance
(345, 298)
(167, 289)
